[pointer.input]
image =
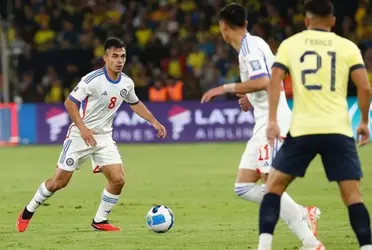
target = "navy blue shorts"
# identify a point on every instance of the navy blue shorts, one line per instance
(338, 152)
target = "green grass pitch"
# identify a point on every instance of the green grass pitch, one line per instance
(195, 181)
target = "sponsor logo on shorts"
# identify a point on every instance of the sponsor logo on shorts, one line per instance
(70, 162)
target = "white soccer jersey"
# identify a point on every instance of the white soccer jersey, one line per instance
(255, 61)
(99, 97)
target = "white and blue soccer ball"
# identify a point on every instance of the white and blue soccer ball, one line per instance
(160, 219)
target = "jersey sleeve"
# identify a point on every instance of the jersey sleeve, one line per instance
(256, 66)
(281, 58)
(131, 98)
(81, 91)
(355, 59)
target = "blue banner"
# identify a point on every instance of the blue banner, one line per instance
(27, 123)
(187, 121)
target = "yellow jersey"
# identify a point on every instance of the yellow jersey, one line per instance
(319, 63)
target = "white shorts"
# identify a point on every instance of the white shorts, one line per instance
(75, 152)
(258, 154)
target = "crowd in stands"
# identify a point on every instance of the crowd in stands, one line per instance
(174, 48)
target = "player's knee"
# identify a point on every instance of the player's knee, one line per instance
(118, 182)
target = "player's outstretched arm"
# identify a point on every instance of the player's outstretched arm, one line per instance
(273, 131)
(246, 87)
(73, 111)
(249, 86)
(360, 78)
(273, 90)
(141, 110)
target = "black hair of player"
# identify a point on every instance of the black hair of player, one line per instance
(321, 8)
(234, 14)
(113, 42)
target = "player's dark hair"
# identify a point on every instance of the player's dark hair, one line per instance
(321, 8)
(234, 14)
(113, 42)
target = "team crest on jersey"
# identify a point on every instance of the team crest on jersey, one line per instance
(70, 162)
(255, 64)
(123, 93)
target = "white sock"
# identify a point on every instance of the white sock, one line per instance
(303, 211)
(108, 201)
(265, 241)
(250, 191)
(291, 213)
(366, 247)
(41, 195)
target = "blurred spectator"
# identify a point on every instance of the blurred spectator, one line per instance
(174, 65)
(196, 60)
(42, 17)
(143, 34)
(16, 43)
(211, 77)
(175, 90)
(162, 34)
(158, 92)
(98, 51)
(187, 5)
(222, 61)
(55, 94)
(233, 73)
(29, 91)
(44, 37)
(161, 13)
(71, 72)
(67, 37)
(191, 90)
(59, 41)
(139, 76)
(206, 45)
(49, 77)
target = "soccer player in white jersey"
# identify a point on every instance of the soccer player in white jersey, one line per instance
(255, 61)
(99, 94)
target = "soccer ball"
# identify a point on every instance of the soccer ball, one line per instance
(160, 219)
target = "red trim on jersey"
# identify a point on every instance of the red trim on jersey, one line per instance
(84, 110)
(69, 131)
